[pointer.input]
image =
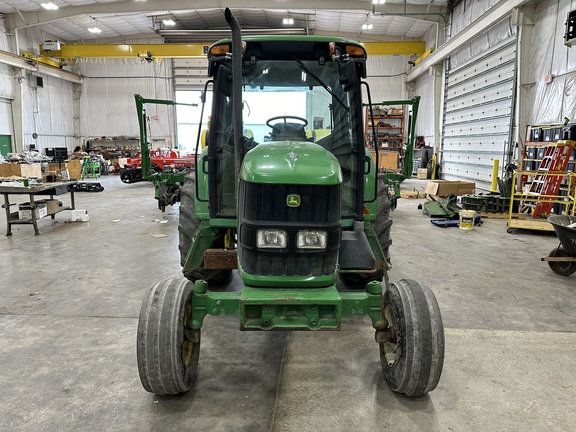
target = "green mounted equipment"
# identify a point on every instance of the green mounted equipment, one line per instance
(165, 171)
(395, 177)
(285, 201)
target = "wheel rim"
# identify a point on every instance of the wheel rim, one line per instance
(188, 344)
(562, 266)
(390, 349)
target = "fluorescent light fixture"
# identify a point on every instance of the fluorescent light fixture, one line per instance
(168, 22)
(367, 26)
(378, 1)
(94, 30)
(288, 21)
(49, 6)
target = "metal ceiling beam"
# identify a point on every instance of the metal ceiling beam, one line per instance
(23, 63)
(156, 51)
(482, 23)
(27, 19)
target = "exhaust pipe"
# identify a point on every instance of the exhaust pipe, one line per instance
(236, 91)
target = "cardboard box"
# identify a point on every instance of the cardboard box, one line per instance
(25, 213)
(53, 167)
(422, 173)
(33, 170)
(442, 188)
(386, 159)
(52, 205)
(74, 169)
(63, 175)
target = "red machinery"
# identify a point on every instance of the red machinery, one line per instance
(160, 160)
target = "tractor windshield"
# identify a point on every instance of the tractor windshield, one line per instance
(293, 100)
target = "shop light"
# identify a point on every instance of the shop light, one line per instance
(49, 6)
(288, 21)
(367, 26)
(94, 30)
(168, 22)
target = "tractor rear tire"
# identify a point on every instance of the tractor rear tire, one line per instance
(167, 349)
(187, 227)
(564, 268)
(382, 226)
(412, 363)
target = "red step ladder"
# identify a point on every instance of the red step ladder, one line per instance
(555, 161)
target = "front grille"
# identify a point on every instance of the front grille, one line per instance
(267, 202)
(264, 205)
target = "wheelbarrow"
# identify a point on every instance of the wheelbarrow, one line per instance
(562, 260)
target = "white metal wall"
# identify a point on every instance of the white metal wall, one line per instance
(477, 114)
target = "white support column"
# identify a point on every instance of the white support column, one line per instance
(18, 110)
(437, 71)
(525, 21)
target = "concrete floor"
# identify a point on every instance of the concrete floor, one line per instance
(71, 297)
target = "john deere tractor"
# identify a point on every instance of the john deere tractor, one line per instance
(286, 193)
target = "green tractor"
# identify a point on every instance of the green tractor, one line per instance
(299, 211)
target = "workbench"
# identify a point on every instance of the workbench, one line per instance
(46, 189)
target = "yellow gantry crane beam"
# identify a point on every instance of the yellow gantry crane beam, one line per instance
(395, 48)
(158, 51)
(155, 51)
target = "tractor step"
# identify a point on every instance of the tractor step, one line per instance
(290, 309)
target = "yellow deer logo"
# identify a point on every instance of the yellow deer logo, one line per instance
(293, 200)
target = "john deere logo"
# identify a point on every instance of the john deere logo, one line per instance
(293, 200)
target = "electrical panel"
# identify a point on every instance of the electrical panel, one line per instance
(35, 81)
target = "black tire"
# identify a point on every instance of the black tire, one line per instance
(382, 227)
(564, 268)
(167, 349)
(187, 226)
(126, 176)
(413, 364)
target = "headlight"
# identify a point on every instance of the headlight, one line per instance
(311, 239)
(271, 238)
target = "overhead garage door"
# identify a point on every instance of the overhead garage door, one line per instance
(478, 114)
(190, 73)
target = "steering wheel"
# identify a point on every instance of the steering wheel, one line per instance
(270, 120)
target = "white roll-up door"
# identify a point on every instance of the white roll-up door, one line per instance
(190, 74)
(478, 114)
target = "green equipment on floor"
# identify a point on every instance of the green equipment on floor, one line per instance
(90, 168)
(303, 217)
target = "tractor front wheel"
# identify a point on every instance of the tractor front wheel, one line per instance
(413, 357)
(167, 348)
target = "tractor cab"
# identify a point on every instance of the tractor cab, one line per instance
(302, 91)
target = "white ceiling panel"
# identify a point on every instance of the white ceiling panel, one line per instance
(324, 19)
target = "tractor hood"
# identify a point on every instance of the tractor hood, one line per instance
(291, 162)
